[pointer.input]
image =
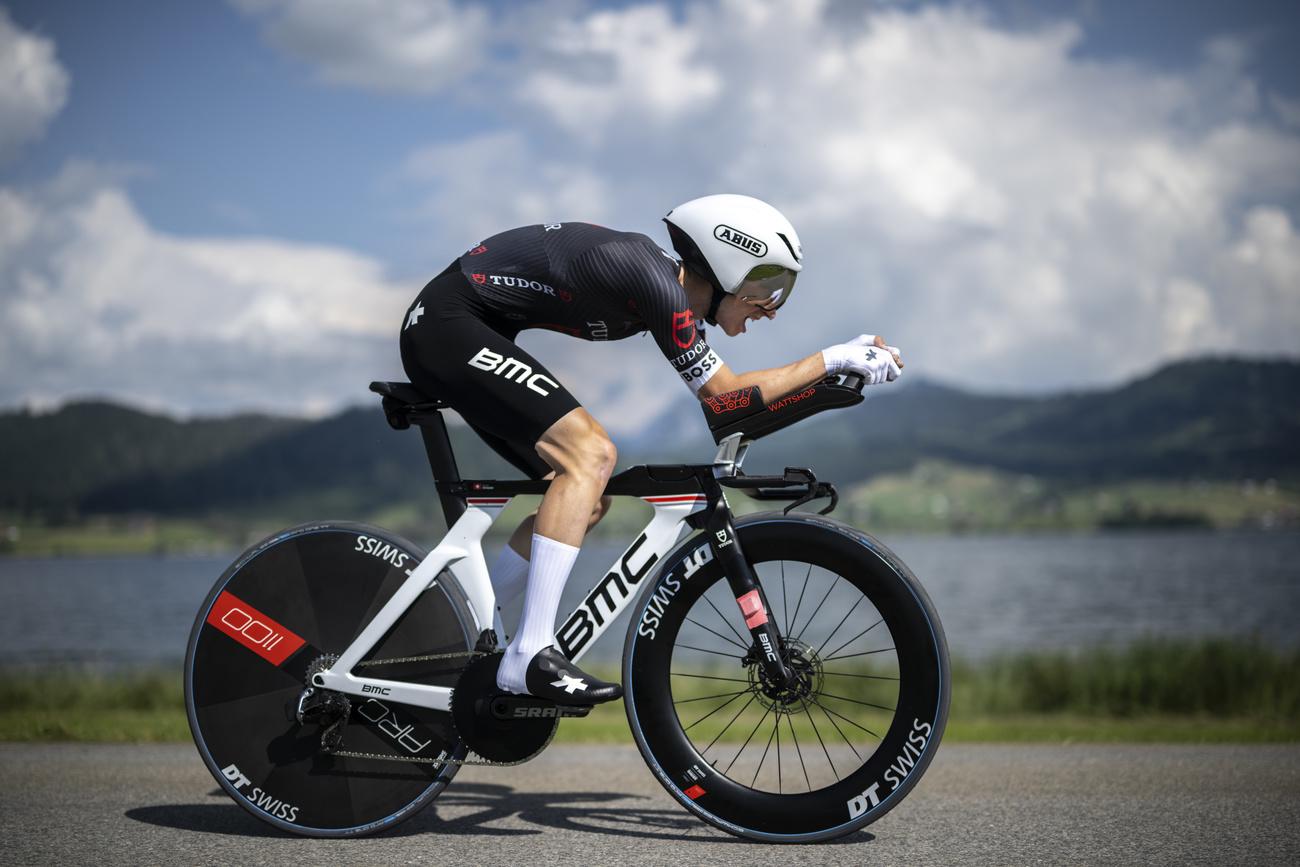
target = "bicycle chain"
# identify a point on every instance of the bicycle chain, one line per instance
(393, 757)
(473, 654)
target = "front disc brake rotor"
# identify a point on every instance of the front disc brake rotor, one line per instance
(472, 714)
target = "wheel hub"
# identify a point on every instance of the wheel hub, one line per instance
(806, 682)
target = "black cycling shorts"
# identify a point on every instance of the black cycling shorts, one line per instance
(452, 347)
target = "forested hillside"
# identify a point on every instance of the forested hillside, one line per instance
(1211, 420)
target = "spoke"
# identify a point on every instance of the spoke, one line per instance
(823, 743)
(743, 647)
(728, 622)
(718, 708)
(761, 720)
(855, 701)
(863, 653)
(799, 752)
(785, 603)
(728, 725)
(869, 676)
(847, 720)
(777, 731)
(707, 697)
(706, 650)
(838, 729)
(841, 623)
(709, 677)
(799, 604)
(818, 608)
(776, 724)
(831, 655)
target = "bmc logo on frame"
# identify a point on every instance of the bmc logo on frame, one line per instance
(512, 369)
(253, 629)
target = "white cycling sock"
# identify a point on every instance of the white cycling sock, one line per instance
(548, 571)
(509, 574)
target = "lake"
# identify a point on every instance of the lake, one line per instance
(994, 594)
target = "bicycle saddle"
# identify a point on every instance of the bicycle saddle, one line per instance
(404, 403)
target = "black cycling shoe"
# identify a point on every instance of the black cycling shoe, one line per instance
(552, 677)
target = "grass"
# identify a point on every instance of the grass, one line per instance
(935, 496)
(1208, 691)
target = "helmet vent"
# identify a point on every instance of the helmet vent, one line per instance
(789, 247)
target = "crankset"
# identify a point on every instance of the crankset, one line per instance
(498, 726)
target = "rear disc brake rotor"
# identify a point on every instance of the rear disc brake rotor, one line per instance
(497, 740)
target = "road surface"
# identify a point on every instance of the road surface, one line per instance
(1004, 804)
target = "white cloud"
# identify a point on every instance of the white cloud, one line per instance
(1013, 213)
(484, 183)
(98, 302)
(1010, 211)
(415, 46)
(33, 86)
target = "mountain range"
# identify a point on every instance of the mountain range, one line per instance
(1202, 419)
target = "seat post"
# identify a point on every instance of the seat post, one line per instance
(437, 446)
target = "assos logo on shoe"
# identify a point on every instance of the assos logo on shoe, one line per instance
(512, 369)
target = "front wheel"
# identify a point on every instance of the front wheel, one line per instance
(811, 760)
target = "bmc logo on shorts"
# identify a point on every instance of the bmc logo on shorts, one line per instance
(512, 369)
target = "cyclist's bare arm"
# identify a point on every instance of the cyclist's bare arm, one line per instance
(774, 382)
(777, 382)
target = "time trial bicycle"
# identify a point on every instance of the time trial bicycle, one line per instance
(786, 676)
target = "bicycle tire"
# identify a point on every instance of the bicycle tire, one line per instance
(655, 694)
(285, 604)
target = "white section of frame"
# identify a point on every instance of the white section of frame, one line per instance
(461, 552)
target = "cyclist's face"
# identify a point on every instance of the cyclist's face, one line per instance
(737, 311)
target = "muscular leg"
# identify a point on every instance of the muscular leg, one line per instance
(580, 452)
(521, 540)
(510, 571)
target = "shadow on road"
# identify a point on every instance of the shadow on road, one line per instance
(487, 803)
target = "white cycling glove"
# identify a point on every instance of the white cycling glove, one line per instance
(874, 363)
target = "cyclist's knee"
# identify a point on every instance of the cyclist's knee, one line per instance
(578, 445)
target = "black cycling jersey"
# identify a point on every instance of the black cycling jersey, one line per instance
(593, 283)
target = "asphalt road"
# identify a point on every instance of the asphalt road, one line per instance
(105, 804)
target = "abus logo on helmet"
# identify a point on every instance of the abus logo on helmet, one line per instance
(740, 240)
(512, 369)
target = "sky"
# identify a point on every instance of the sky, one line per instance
(215, 207)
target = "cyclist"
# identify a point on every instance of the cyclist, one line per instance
(737, 262)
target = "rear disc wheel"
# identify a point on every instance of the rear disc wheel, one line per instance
(285, 608)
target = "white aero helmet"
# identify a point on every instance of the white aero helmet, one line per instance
(739, 244)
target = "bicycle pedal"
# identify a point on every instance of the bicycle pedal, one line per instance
(517, 707)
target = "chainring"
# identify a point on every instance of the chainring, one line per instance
(472, 715)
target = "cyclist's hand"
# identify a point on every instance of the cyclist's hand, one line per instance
(873, 363)
(876, 340)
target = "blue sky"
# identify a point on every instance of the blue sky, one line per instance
(212, 202)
